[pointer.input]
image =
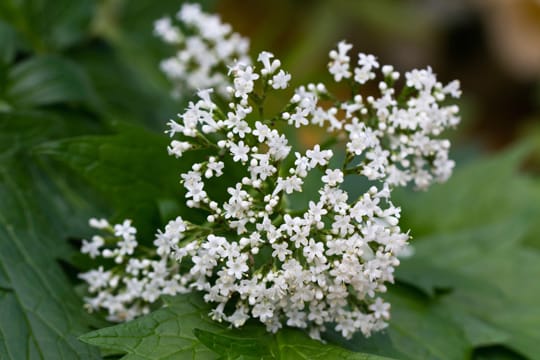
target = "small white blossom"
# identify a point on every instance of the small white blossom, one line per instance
(165, 30)
(98, 223)
(269, 66)
(239, 151)
(339, 63)
(333, 177)
(318, 157)
(177, 148)
(92, 247)
(281, 80)
(125, 230)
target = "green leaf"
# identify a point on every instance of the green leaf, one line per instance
(183, 330)
(8, 41)
(48, 25)
(477, 253)
(420, 332)
(46, 80)
(235, 346)
(163, 334)
(130, 169)
(132, 96)
(40, 315)
(480, 193)
(294, 344)
(417, 330)
(253, 342)
(491, 297)
(511, 272)
(496, 353)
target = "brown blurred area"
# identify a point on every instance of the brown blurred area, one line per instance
(491, 46)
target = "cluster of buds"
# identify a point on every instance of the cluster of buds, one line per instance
(256, 256)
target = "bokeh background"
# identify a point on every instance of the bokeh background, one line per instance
(492, 46)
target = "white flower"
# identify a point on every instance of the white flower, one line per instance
(316, 211)
(92, 247)
(262, 251)
(215, 168)
(333, 177)
(313, 250)
(278, 147)
(318, 156)
(421, 79)
(281, 80)
(339, 64)
(125, 230)
(98, 223)
(243, 80)
(239, 151)
(280, 251)
(289, 184)
(261, 131)
(237, 267)
(380, 309)
(96, 279)
(177, 148)
(165, 30)
(239, 317)
(260, 167)
(269, 67)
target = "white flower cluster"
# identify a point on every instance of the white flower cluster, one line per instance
(140, 281)
(256, 258)
(397, 133)
(205, 46)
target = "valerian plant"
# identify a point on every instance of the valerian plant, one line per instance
(256, 255)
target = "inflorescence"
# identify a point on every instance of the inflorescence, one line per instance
(205, 47)
(254, 256)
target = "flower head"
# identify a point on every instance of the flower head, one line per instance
(258, 256)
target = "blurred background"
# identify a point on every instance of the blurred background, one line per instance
(491, 46)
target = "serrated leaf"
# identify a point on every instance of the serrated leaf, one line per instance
(47, 80)
(183, 330)
(493, 299)
(130, 169)
(233, 347)
(294, 344)
(512, 273)
(40, 315)
(416, 331)
(478, 255)
(163, 334)
(285, 344)
(134, 173)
